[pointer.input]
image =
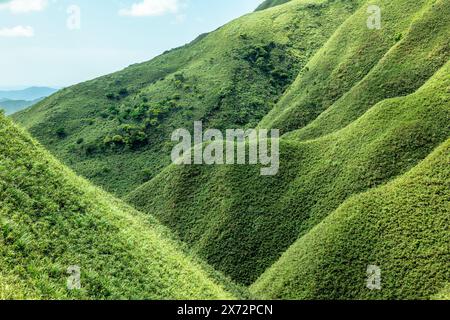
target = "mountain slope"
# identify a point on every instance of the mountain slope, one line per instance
(28, 94)
(359, 67)
(116, 130)
(50, 220)
(401, 227)
(366, 108)
(242, 222)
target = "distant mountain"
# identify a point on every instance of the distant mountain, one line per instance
(12, 106)
(27, 94)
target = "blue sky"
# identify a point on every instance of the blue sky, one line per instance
(42, 42)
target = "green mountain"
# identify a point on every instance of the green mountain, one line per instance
(115, 130)
(270, 3)
(50, 219)
(363, 174)
(400, 227)
(242, 223)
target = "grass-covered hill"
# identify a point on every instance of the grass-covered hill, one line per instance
(115, 130)
(241, 223)
(270, 3)
(365, 117)
(359, 67)
(50, 219)
(401, 227)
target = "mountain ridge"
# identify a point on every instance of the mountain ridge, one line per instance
(363, 174)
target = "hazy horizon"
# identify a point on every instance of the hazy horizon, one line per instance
(52, 48)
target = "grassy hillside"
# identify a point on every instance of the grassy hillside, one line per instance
(11, 106)
(116, 130)
(27, 94)
(362, 177)
(359, 67)
(270, 3)
(50, 219)
(401, 227)
(241, 222)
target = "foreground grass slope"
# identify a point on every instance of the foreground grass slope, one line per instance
(50, 219)
(242, 222)
(359, 67)
(401, 227)
(116, 130)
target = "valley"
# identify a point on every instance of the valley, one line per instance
(141, 178)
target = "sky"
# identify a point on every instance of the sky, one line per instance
(58, 43)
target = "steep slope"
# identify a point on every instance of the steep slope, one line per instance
(50, 220)
(28, 94)
(366, 107)
(359, 67)
(242, 222)
(401, 227)
(116, 130)
(270, 3)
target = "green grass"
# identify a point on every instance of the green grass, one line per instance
(401, 227)
(241, 222)
(229, 78)
(51, 219)
(270, 3)
(362, 178)
(359, 67)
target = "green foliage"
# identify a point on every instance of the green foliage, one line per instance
(182, 86)
(399, 227)
(51, 219)
(61, 132)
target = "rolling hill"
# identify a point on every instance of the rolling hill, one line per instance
(50, 219)
(401, 227)
(115, 130)
(363, 180)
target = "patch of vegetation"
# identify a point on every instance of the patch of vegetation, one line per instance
(50, 219)
(241, 223)
(214, 79)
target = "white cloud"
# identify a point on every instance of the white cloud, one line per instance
(151, 8)
(18, 31)
(24, 6)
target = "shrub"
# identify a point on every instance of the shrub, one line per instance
(123, 92)
(61, 132)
